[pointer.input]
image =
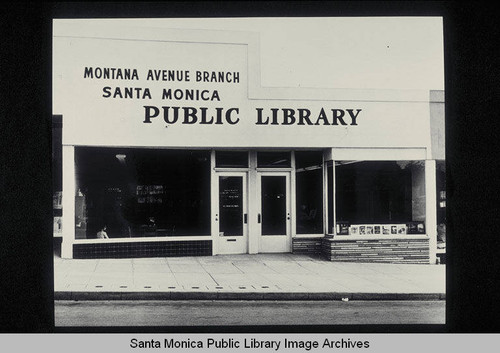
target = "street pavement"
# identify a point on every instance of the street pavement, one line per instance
(244, 313)
(244, 277)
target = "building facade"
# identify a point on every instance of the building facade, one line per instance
(171, 147)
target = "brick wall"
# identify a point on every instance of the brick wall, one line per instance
(306, 245)
(399, 250)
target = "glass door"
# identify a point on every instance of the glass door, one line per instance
(274, 211)
(232, 217)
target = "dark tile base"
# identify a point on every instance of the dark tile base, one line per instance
(143, 249)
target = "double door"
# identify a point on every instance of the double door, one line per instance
(255, 216)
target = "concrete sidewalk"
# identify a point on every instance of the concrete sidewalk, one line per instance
(244, 277)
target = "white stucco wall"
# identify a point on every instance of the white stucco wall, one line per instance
(385, 118)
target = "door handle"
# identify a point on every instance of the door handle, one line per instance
(258, 218)
(245, 218)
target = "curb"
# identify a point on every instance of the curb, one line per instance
(89, 296)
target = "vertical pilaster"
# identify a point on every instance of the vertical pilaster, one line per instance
(326, 209)
(334, 198)
(431, 208)
(68, 201)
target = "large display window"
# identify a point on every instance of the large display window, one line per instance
(309, 191)
(380, 197)
(125, 192)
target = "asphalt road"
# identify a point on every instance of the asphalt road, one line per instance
(234, 313)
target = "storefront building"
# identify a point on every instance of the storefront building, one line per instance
(172, 147)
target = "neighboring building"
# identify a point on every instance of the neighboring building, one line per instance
(170, 142)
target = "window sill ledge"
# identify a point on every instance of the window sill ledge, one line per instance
(377, 237)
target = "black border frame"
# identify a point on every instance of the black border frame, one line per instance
(471, 68)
